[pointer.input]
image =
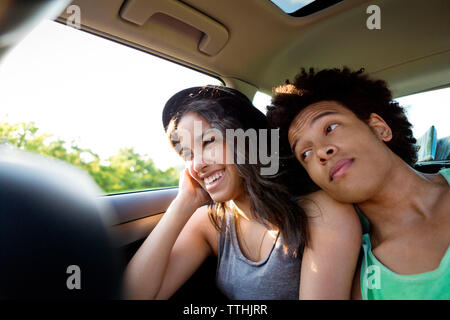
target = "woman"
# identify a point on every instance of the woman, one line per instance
(263, 239)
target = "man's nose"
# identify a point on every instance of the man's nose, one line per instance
(326, 153)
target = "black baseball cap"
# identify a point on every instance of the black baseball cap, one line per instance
(237, 104)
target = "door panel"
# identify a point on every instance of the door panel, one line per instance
(136, 205)
(135, 230)
(137, 214)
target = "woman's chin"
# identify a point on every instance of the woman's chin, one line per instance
(219, 196)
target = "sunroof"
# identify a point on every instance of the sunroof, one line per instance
(301, 8)
(290, 6)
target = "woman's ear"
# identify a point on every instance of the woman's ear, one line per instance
(380, 127)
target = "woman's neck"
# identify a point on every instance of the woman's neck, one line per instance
(243, 206)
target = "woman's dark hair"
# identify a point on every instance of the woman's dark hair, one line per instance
(355, 91)
(271, 201)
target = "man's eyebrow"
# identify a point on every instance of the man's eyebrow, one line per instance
(321, 115)
(294, 144)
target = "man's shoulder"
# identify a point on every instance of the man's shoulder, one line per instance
(441, 178)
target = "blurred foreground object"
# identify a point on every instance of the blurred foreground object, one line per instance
(51, 218)
(54, 242)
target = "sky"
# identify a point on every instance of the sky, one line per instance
(107, 96)
(290, 6)
(81, 87)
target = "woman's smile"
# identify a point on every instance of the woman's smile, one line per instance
(213, 180)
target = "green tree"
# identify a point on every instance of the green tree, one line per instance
(127, 170)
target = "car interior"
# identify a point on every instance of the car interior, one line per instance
(253, 46)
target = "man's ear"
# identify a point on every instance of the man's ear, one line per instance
(380, 127)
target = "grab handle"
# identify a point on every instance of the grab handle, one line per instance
(215, 35)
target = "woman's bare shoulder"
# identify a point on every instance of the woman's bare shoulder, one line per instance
(321, 208)
(201, 222)
(330, 221)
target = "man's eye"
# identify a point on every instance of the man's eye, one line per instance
(331, 127)
(305, 154)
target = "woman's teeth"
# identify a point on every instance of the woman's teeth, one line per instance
(214, 177)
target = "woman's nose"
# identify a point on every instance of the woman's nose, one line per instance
(198, 163)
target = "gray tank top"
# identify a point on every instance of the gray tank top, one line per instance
(276, 277)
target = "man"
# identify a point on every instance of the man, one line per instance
(357, 145)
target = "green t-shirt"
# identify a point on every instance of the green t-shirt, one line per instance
(380, 283)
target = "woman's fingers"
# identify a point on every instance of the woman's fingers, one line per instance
(191, 188)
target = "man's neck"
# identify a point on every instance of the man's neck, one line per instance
(406, 196)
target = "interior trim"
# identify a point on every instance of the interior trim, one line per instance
(130, 232)
(137, 205)
(214, 37)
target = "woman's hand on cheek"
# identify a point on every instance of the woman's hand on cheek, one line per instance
(190, 191)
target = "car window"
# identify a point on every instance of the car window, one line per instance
(428, 109)
(261, 100)
(94, 103)
(428, 113)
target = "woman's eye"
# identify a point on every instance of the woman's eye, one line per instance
(305, 154)
(187, 156)
(206, 142)
(331, 127)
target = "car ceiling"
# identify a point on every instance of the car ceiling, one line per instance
(253, 45)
